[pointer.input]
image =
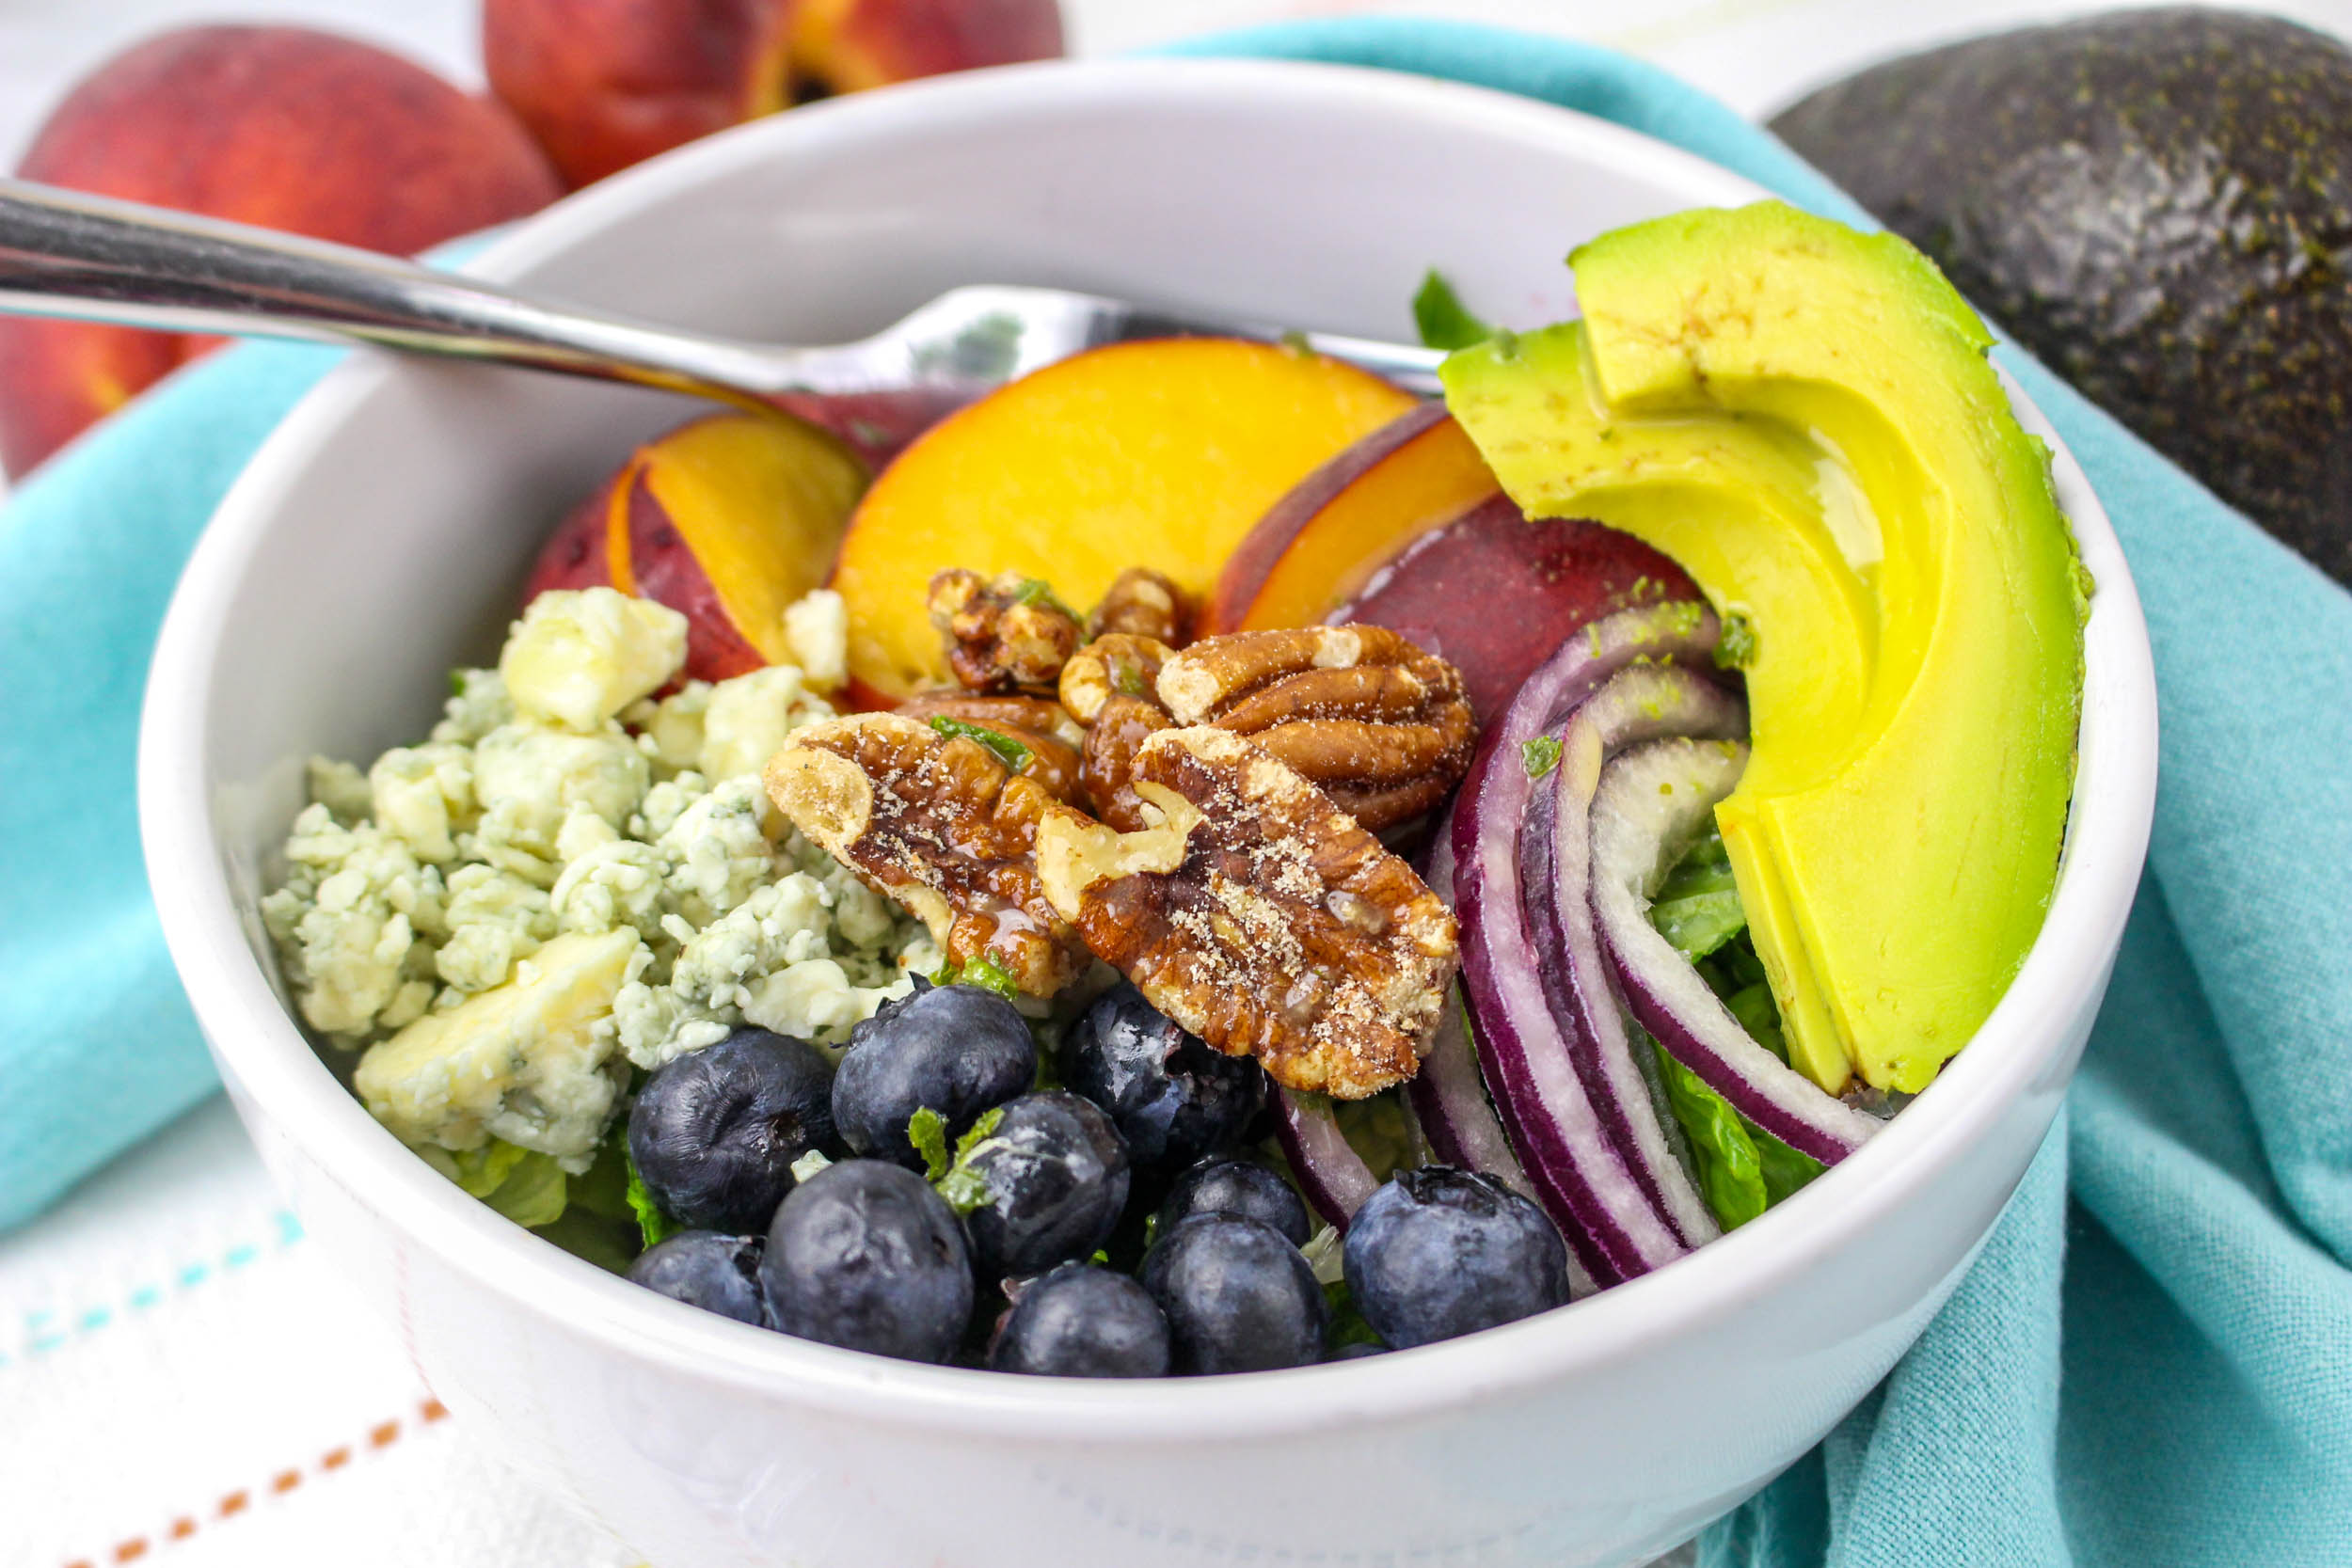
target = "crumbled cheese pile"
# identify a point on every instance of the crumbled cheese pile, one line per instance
(568, 878)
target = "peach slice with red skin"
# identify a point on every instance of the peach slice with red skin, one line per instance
(1161, 453)
(727, 520)
(1409, 529)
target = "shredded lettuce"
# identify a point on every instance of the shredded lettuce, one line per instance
(1441, 318)
(1742, 1169)
(1697, 906)
(526, 1187)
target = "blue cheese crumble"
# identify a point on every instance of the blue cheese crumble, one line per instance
(571, 877)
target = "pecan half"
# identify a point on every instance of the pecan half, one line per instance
(1141, 602)
(1003, 634)
(1259, 915)
(938, 824)
(1380, 724)
(1037, 724)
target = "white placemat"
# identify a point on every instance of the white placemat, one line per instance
(183, 1381)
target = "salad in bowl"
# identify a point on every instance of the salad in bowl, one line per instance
(1200, 862)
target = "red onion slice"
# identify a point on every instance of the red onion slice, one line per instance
(1651, 800)
(1448, 1096)
(1578, 1171)
(1331, 1173)
(1638, 704)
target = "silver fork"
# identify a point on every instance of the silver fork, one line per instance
(65, 253)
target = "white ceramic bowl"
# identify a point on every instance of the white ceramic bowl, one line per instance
(378, 538)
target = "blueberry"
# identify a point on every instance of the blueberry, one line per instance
(714, 1132)
(702, 1268)
(1439, 1252)
(1357, 1352)
(1228, 1184)
(955, 1048)
(1055, 1176)
(1239, 1298)
(1173, 1098)
(866, 1255)
(1083, 1321)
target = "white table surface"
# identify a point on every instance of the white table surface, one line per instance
(182, 1381)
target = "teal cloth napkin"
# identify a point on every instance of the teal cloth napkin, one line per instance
(2151, 1362)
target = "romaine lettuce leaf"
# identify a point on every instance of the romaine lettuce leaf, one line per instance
(1697, 906)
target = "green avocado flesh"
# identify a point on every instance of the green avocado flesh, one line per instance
(1804, 417)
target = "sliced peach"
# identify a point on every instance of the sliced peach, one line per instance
(727, 520)
(1161, 453)
(1321, 543)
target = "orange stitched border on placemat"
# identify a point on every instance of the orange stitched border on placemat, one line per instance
(381, 1436)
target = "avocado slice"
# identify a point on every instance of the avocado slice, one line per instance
(2158, 203)
(1804, 417)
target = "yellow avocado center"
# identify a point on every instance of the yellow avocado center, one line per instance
(1804, 417)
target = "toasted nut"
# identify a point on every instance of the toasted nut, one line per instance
(938, 824)
(1358, 710)
(1003, 635)
(1142, 603)
(1051, 761)
(1037, 724)
(1116, 665)
(1259, 915)
(1106, 767)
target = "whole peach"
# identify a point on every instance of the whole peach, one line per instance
(285, 127)
(849, 45)
(606, 82)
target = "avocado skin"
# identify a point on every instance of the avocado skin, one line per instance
(2158, 204)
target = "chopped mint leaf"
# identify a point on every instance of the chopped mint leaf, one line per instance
(1441, 318)
(1102, 1257)
(1736, 648)
(1697, 906)
(928, 1132)
(987, 974)
(958, 1184)
(979, 1133)
(1008, 751)
(1541, 755)
(457, 683)
(653, 1226)
(1127, 676)
(1037, 590)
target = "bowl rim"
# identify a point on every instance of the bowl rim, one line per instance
(264, 1051)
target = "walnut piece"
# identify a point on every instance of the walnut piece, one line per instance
(938, 824)
(1258, 915)
(1381, 725)
(1106, 766)
(1141, 602)
(1004, 634)
(1115, 665)
(1037, 724)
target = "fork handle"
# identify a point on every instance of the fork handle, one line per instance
(90, 258)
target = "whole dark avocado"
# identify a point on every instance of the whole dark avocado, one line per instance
(2158, 204)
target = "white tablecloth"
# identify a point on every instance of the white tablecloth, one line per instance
(181, 1379)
